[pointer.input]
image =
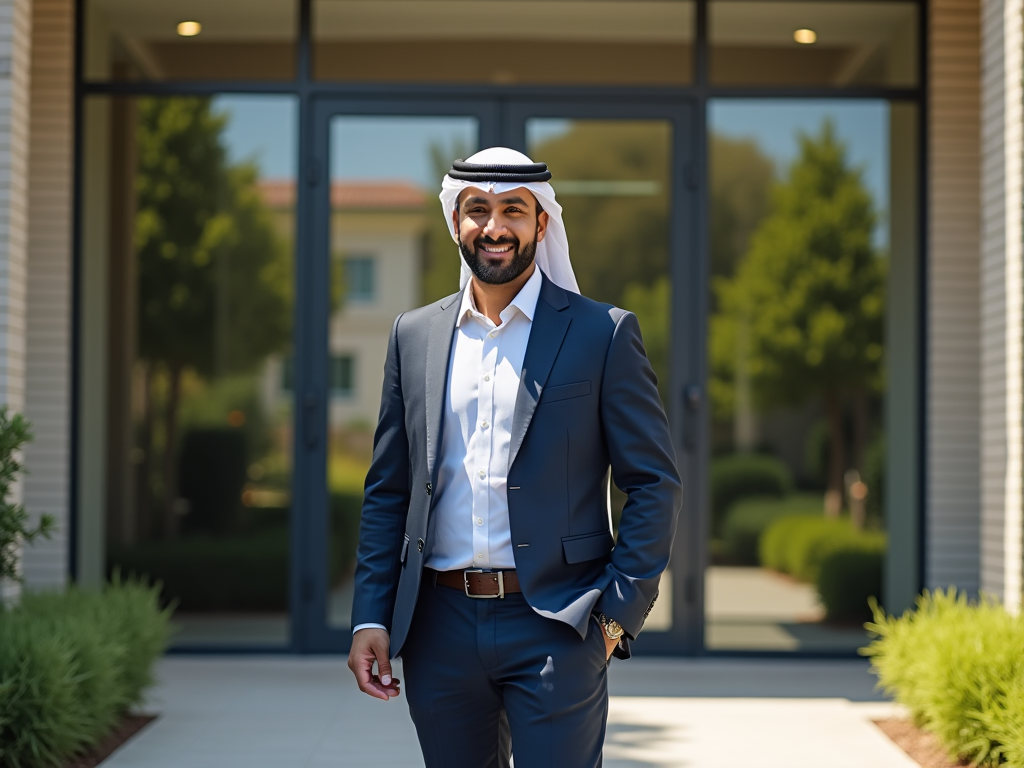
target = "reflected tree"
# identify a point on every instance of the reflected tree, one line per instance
(804, 311)
(214, 279)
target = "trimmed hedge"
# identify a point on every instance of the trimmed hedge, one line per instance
(245, 571)
(743, 475)
(798, 545)
(748, 519)
(959, 668)
(849, 577)
(71, 664)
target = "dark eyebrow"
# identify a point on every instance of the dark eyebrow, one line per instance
(503, 201)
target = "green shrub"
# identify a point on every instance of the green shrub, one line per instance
(797, 545)
(14, 527)
(959, 668)
(70, 664)
(742, 475)
(748, 519)
(849, 577)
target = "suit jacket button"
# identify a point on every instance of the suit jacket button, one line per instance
(419, 545)
(428, 488)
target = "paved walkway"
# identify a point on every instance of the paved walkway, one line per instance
(283, 712)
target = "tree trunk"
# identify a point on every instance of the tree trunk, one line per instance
(144, 469)
(170, 457)
(860, 429)
(836, 455)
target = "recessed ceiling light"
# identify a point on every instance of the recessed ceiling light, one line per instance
(189, 28)
(805, 36)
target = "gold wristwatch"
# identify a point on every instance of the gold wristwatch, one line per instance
(612, 629)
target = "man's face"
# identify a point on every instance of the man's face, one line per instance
(498, 234)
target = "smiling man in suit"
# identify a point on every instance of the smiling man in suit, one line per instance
(486, 558)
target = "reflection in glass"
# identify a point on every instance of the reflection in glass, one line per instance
(612, 179)
(598, 42)
(390, 252)
(200, 266)
(190, 39)
(800, 196)
(839, 44)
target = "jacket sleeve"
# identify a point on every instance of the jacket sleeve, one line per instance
(385, 503)
(643, 467)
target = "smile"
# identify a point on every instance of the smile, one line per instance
(497, 248)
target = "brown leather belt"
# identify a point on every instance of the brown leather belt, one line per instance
(478, 583)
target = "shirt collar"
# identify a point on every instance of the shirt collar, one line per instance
(525, 301)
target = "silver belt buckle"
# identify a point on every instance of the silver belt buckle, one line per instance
(501, 583)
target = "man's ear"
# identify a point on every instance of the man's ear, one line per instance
(542, 225)
(455, 214)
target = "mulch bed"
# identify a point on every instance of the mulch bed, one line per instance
(128, 727)
(921, 745)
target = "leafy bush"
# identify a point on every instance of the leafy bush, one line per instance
(242, 572)
(748, 519)
(741, 475)
(959, 668)
(797, 545)
(849, 577)
(70, 664)
(14, 527)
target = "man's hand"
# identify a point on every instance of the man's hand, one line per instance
(609, 645)
(369, 645)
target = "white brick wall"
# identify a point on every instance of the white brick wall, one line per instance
(1001, 294)
(954, 485)
(48, 394)
(15, 51)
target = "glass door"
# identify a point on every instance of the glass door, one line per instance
(620, 173)
(380, 247)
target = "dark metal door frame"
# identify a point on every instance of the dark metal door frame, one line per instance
(502, 120)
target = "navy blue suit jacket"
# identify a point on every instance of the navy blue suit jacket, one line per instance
(588, 400)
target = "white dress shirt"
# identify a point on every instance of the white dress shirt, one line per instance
(469, 525)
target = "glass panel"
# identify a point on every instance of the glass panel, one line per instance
(385, 221)
(757, 42)
(189, 249)
(612, 180)
(538, 41)
(810, 226)
(190, 39)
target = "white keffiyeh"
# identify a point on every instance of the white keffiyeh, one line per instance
(553, 251)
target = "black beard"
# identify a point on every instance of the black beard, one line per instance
(498, 275)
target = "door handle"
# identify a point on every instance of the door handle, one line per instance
(310, 427)
(692, 397)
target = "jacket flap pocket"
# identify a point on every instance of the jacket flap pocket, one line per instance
(564, 392)
(405, 549)
(589, 546)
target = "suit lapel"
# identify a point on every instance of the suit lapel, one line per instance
(439, 348)
(550, 323)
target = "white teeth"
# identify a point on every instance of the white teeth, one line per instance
(500, 249)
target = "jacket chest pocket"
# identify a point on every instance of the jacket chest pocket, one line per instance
(564, 392)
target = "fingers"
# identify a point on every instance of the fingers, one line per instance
(369, 646)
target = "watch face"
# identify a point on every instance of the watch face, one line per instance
(614, 629)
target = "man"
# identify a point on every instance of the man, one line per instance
(486, 558)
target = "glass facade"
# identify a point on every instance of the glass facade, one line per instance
(258, 201)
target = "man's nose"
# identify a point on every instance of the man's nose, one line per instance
(495, 227)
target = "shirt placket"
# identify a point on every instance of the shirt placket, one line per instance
(483, 446)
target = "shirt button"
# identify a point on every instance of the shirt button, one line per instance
(485, 424)
(480, 556)
(482, 473)
(479, 521)
(492, 334)
(487, 377)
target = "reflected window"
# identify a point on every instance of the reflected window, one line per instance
(361, 279)
(598, 42)
(838, 44)
(190, 39)
(343, 376)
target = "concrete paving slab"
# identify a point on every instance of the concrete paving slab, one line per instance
(288, 712)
